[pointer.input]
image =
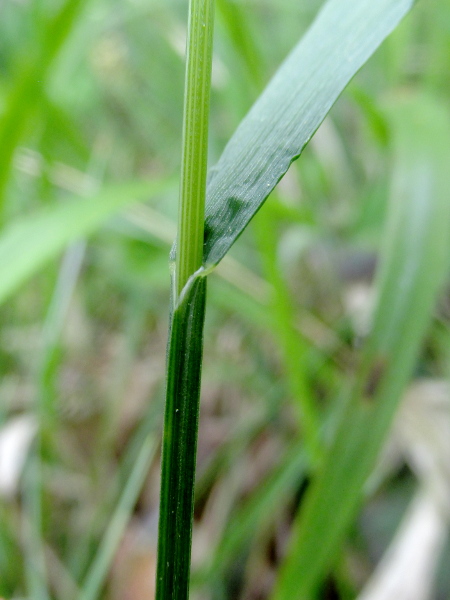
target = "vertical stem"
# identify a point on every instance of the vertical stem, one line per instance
(184, 355)
(195, 140)
(180, 445)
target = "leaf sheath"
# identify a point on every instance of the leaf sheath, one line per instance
(184, 361)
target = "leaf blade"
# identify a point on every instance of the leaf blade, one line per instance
(287, 114)
(30, 242)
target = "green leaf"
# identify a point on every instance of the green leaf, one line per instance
(293, 346)
(413, 268)
(284, 118)
(101, 564)
(29, 85)
(30, 242)
(276, 489)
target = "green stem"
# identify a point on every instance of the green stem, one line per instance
(180, 444)
(195, 141)
(184, 356)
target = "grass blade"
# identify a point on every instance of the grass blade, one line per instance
(293, 346)
(27, 90)
(108, 547)
(35, 564)
(278, 487)
(27, 244)
(413, 268)
(286, 115)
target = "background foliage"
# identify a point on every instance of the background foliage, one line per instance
(91, 99)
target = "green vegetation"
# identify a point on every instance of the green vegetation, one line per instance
(325, 411)
(185, 345)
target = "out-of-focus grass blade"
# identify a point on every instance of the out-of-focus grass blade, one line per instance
(28, 243)
(108, 547)
(286, 115)
(293, 346)
(34, 556)
(279, 486)
(10, 554)
(29, 84)
(413, 267)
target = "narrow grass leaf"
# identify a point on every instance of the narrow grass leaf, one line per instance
(293, 346)
(279, 486)
(101, 564)
(284, 118)
(30, 242)
(29, 85)
(11, 554)
(413, 268)
(34, 553)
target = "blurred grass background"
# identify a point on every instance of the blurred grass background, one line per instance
(91, 100)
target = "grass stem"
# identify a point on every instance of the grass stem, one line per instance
(195, 140)
(184, 356)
